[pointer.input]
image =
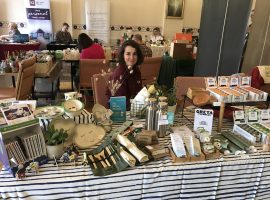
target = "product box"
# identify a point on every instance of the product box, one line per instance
(193, 91)
(255, 94)
(248, 132)
(181, 51)
(22, 143)
(220, 95)
(236, 96)
(118, 107)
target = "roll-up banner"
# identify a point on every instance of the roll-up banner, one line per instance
(39, 19)
(98, 19)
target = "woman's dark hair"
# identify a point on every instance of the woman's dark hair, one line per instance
(136, 46)
(84, 41)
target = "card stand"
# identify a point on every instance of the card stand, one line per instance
(106, 159)
(197, 158)
(178, 159)
(212, 156)
(11, 132)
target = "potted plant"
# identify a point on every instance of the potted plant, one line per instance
(172, 100)
(54, 140)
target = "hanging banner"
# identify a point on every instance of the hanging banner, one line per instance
(98, 19)
(39, 19)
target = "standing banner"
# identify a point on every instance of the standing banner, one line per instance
(39, 19)
(98, 19)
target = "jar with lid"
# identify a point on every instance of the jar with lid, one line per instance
(150, 114)
(162, 99)
(161, 120)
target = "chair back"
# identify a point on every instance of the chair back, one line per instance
(150, 69)
(89, 67)
(182, 83)
(99, 84)
(25, 79)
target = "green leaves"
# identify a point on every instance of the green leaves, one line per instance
(54, 136)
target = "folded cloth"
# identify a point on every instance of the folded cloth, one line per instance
(265, 73)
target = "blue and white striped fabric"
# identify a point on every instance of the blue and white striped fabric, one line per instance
(84, 118)
(225, 178)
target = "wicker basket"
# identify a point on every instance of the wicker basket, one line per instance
(137, 109)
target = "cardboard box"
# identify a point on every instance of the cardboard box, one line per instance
(188, 158)
(193, 91)
(181, 51)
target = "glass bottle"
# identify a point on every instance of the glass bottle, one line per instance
(150, 114)
(3, 66)
(161, 120)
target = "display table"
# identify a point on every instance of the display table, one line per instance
(12, 75)
(225, 178)
(159, 51)
(56, 46)
(11, 47)
(171, 68)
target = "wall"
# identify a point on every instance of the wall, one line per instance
(145, 14)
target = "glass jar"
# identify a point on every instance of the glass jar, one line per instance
(161, 120)
(150, 114)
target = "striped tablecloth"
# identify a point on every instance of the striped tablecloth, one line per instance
(224, 178)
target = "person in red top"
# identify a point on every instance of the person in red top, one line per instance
(89, 49)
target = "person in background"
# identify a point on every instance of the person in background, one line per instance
(88, 49)
(63, 36)
(13, 30)
(127, 74)
(146, 51)
(156, 37)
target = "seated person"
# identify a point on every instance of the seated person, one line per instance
(146, 51)
(127, 74)
(156, 37)
(89, 49)
(13, 30)
(63, 36)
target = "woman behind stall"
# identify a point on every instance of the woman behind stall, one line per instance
(88, 49)
(127, 74)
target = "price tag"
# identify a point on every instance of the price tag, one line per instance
(210, 82)
(252, 116)
(265, 115)
(163, 122)
(223, 81)
(239, 117)
(234, 81)
(246, 80)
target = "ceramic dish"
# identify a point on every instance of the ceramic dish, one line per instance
(73, 107)
(88, 135)
(49, 112)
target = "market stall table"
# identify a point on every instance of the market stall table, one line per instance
(242, 177)
(11, 47)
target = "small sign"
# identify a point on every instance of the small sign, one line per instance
(252, 116)
(210, 82)
(203, 119)
(246, 81)
(223, 81)
(234, 81)
(239, 117)
(265, 117)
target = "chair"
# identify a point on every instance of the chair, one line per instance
(99, 89)
(24, 83)
(182, 83)
(89, 67)
(150, 69)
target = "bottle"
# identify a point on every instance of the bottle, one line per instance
(150, 114)
(161, 120)
(3, 66)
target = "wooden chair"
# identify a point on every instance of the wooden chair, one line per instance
(182, 83)
(150, 69)
(24, 83)
(99, 89)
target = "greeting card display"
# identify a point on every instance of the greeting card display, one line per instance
(17, 113)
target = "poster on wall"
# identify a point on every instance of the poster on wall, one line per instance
(98, 19)
(39, 19)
